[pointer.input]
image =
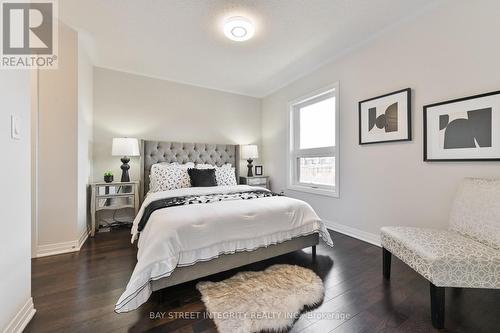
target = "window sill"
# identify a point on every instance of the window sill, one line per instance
(319, 191)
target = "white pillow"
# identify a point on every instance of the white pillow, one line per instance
(225, 175)
(165, 177)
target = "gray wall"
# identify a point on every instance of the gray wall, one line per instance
(449, 52)
(141, 107)
(15, 263)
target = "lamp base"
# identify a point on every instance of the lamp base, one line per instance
(249, 166)
(125, 167)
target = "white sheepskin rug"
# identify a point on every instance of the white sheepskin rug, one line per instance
(270, 300)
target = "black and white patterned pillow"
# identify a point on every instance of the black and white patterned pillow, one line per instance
(165, 177)
(225, 175)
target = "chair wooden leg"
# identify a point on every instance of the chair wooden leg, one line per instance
(314, 252)
(386, 264)
(437, 306)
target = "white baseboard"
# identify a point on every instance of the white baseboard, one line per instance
(83, 238)
(56, 248)
(63, 247)
(368, 237)
(22, 318)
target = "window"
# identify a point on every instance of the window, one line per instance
(313, 141)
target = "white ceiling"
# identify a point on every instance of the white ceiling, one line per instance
(182, 40)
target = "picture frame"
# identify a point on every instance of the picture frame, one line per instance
(258, 170)
(385, 118)
(463, 129)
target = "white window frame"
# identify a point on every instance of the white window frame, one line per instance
(294, 152)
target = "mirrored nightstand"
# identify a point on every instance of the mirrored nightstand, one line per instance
(113, 196)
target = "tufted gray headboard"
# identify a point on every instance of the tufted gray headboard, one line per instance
(153, 152)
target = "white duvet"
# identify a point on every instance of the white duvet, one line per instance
(183, 235)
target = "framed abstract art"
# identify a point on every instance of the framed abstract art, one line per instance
(385, 118)
(464, 129)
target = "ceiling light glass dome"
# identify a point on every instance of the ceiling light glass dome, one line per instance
(238, 28)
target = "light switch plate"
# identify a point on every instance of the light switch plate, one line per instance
(15, 126)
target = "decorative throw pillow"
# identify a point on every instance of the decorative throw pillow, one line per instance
(202, 177)
(165, 177)
(225, 175)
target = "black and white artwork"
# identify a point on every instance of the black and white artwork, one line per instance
(465, 129)
(258, 170)
(385, 118)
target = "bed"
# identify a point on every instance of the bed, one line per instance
(226, 254)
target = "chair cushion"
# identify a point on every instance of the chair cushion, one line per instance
(476, 211)
(444, 257)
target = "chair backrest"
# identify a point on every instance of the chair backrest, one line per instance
(476, 211)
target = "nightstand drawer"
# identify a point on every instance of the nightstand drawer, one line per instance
(261, 181)
(256, 181)
(113, 189)
(114, 202)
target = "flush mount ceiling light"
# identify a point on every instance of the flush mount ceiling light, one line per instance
(238, 28)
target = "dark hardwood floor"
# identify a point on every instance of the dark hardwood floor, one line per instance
(77, 292)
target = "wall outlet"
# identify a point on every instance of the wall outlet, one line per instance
(15, 127)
